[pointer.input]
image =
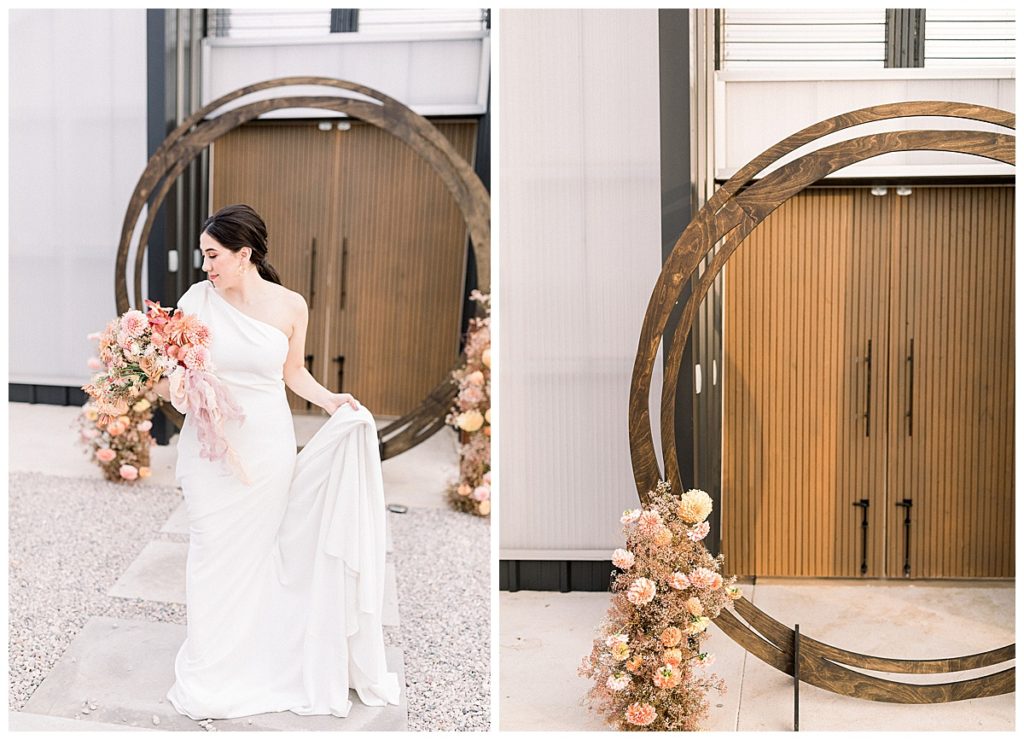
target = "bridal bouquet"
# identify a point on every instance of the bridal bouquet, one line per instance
(648, 661)
(137, 349)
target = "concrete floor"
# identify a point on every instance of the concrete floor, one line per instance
(42, 439)
(544, 636)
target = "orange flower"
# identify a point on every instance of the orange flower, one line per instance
(634, 663)
(673, 657)
(671, 636)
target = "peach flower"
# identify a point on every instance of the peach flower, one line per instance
(671, 636)
(134, 323)
(484, 507)
(482, 493)
(699, 532)
(640, 714)
(649, 520)
(733, 592)
(485, 357)
(620, 651)
(642, 591)
(145, 426)
(105, 454)
(623, 559)
(693, 606)
(634, 663)
(673, 656)
(702, 577)
(662, 536)
(94, 363)
(475, 378)
(144, 472)
(679, 581)
(116, 428)
(487, 416)
(129, 472)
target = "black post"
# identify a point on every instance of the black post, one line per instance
(796, 678)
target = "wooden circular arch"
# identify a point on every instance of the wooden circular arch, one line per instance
(197, 132)
(728, 218)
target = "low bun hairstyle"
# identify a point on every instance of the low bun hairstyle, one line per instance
(238, 226)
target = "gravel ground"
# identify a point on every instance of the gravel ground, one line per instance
(442, 566)
(70, 539)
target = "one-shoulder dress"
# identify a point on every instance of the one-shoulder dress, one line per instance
(285, 573)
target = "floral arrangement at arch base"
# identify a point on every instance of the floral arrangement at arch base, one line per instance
(471, 415)
(649, 664)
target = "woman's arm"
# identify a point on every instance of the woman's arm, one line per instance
(296, 376)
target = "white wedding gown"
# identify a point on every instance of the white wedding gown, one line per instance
(285, 576)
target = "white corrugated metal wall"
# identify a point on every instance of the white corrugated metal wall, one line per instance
(580, 251)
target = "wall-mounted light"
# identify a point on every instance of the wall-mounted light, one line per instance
(879, 190)
(344, 126)
(324, 125)
(903, 190)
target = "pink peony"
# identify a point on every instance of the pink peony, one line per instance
(648, 521)
(642, 591)
(623, 559)
(105, 454)
(679, 581)
(698, 532)
(145, 426)
(129, 472)
(482, 493)
(640, 714)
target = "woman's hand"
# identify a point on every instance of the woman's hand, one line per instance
(163, 388)
(336, 400)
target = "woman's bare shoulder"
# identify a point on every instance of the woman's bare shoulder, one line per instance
(294, 303)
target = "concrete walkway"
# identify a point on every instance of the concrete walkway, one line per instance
(544, 636)
(115, 671)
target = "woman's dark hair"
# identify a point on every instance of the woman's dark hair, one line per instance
(238, 226)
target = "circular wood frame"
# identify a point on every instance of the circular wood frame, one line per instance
(197, 132)
(726, 220)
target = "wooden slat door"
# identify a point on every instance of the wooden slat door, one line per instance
(400, 248)
(283, 170)
(804, 296)
(826, 273)
(367, 232)
(951, 432)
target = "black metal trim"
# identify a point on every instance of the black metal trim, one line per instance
(53, 395)
(555, 575)
(344, 21)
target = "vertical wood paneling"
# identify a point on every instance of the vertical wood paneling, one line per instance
(956, 245)
(804, 294)
(825, 273)
(399, 329)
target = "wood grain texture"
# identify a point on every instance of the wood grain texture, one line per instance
(730, 210)
(197, 132)
(719, 216)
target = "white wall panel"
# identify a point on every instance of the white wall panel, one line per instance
(77, 146)
(580, 250)
(434, 73)
(798, 100)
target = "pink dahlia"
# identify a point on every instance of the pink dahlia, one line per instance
(698, 532)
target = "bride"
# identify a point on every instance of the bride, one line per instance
(285, 571)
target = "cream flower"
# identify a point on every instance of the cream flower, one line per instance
(469, 421)
(694, 506)
(484, 508)
(485, 357)
(697, 625)
(693, 606)
(630, 515)
(612, 639)
(623, 559)
(733, 592)
(667, 677)
(642, 591)
(618, 681)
